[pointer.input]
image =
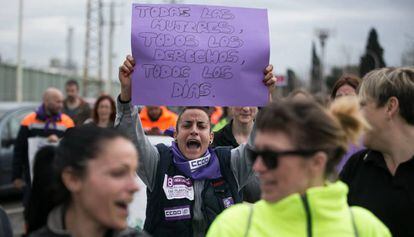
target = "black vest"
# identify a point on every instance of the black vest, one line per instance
(166, 217)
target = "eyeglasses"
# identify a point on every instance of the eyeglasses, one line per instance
(270, 158)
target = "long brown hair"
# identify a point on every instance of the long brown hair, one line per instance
(101, 98)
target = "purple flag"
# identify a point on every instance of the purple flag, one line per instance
(199, 55)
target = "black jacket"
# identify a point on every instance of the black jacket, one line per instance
(166, 216)
(224, 137)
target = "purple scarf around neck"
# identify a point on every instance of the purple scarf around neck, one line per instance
(205, 167)
(42, 115)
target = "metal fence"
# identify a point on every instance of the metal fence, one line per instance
(36, 81)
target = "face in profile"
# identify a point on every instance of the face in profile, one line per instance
(104, 109)
(193, 133)
(345, 90)
(244, 115)
(376, 117)
(108, 185)
(292, 174)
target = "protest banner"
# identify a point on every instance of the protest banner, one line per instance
(34, 144)
(199, 55)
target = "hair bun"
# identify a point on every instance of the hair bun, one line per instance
(347, 111)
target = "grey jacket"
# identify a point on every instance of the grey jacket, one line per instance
(55, 227)
(127, 118)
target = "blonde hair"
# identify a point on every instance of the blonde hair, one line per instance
(381, 84)
(347, 112)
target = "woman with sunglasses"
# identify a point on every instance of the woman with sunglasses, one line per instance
(297, 146)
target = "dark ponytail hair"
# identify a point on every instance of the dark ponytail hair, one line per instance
(79, 145)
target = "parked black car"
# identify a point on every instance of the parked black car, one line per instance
(11, 114)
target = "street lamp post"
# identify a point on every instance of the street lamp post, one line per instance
(110, 45)
(19, 68)
(323, 35)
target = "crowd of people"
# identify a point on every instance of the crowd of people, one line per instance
(296, 167)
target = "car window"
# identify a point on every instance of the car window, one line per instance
(11, 128)
(15, 123)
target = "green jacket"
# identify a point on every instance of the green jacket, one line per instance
(322, 211)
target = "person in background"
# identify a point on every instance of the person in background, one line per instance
(346, 85)
(188, 183)
(238, 129)
(157, 119)
(103, 112)
(74, 106)
(47, 123)
(40, 201)
(296, 148)
(216, 113)
(95, 174)
(381, 177)
(225, 119)
(236, 132)
(300, 94)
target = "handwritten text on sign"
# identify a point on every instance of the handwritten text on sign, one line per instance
(199, 55)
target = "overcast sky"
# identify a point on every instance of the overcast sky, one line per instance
(292, 29)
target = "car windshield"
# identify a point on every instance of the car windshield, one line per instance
(9, 106)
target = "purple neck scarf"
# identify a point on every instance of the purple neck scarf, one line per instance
(42, 115)
(205, 167)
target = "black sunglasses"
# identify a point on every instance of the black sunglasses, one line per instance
(270, 158)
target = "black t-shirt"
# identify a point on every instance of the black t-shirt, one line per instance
(372, 186)
(225, 137)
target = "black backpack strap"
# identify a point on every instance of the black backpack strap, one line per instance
(249, 220)
(165, 160)
(353, 223)
(224, 155)
(224, 152)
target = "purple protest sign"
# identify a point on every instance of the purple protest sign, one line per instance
(199, 55)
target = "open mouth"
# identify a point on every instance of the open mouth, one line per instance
(193, 144)
(122, 204)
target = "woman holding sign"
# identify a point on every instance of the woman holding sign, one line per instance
(189, 183)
